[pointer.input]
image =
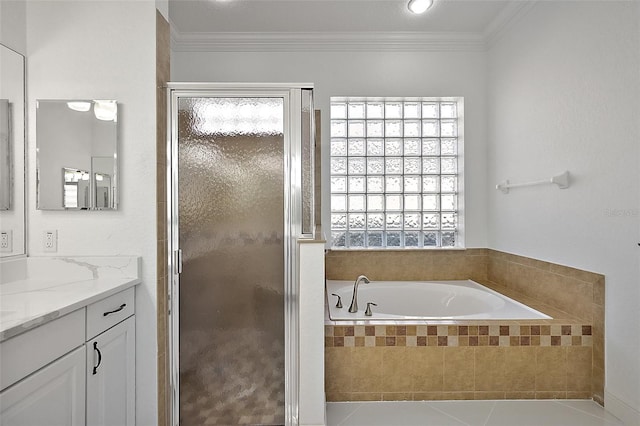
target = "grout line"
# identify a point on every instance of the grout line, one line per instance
(486, 422)
(447, 414)
(602, 417)
(358, 405)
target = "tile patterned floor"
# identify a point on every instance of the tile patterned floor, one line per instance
(231, 378)
(470, 413)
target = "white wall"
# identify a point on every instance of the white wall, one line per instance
(104, 50)
(368, 74)
(564, 95)
(311, 339)
(13, 24)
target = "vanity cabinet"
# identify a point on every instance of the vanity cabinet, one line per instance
(75, 370)
(111, 376)
(54, 395)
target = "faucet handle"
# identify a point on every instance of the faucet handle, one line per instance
(368, 312)
(339, 304)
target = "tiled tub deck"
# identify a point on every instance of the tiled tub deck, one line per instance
(456, 361)
(491, 359)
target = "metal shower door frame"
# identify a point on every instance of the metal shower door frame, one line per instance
(291, 94)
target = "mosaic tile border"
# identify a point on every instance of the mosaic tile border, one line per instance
(458, 335)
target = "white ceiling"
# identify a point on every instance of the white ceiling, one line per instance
(331, 16)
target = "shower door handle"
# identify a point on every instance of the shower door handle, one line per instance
(178, 260)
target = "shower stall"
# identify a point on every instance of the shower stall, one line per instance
(241, 196)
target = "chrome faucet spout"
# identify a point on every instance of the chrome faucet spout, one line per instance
(354, 300)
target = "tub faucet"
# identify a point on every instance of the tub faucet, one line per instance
(354, 300)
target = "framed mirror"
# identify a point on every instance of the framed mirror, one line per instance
(77, 144)
(12, 153)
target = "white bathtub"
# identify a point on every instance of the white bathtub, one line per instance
(426, 300)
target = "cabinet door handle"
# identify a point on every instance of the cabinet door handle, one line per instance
(115, 310)
(95, 348)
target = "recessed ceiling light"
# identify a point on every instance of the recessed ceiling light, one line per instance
(419, 6)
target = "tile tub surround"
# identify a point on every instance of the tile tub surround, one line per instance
(498, 334)
(574, 298)
(472, 360)
(574, 292)
(408, 265)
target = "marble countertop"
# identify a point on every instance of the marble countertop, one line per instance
(34, 291)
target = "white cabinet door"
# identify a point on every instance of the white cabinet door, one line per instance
(111, 376)
(52, 396)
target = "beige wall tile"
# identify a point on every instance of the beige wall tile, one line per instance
(579, 360)
(573, 296)
(459, 371)
(367, 369)
(551, 395)
(338, 364)
(429, 396)
(337, 396)
(407, 265)
(490, 369)
(489, 395)
(597, 385)
(579, 369)
(577, 274)
(458, 395)
(520, 369)
(397, 370)
(598, 291)
(397, 396)
(478, 267)
(364, 396)
(579, 395)
(551, 369)
(427, 368)
(520, 395)
(579, 383)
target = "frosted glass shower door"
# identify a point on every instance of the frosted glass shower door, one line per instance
(231, 221)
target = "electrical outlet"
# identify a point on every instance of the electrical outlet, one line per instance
(6, 241)
(50, 241)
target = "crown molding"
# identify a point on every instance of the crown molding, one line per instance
(325, 42)
(372, 41)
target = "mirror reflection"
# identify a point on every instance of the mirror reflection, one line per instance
(77, 153)
(12, 149)
(5, 157)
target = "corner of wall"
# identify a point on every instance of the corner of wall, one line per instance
(162, 77)
(621, 409)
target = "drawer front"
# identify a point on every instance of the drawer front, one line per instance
(108, 312)
(32, 350)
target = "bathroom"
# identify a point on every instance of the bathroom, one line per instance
(548, 87)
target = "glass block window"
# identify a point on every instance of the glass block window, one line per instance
(395, 172)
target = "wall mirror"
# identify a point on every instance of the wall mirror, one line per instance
(12, 153)
(77, 154)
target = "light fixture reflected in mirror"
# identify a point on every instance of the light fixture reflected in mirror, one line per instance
(419, 6)
(79, 106)
(105, 110)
